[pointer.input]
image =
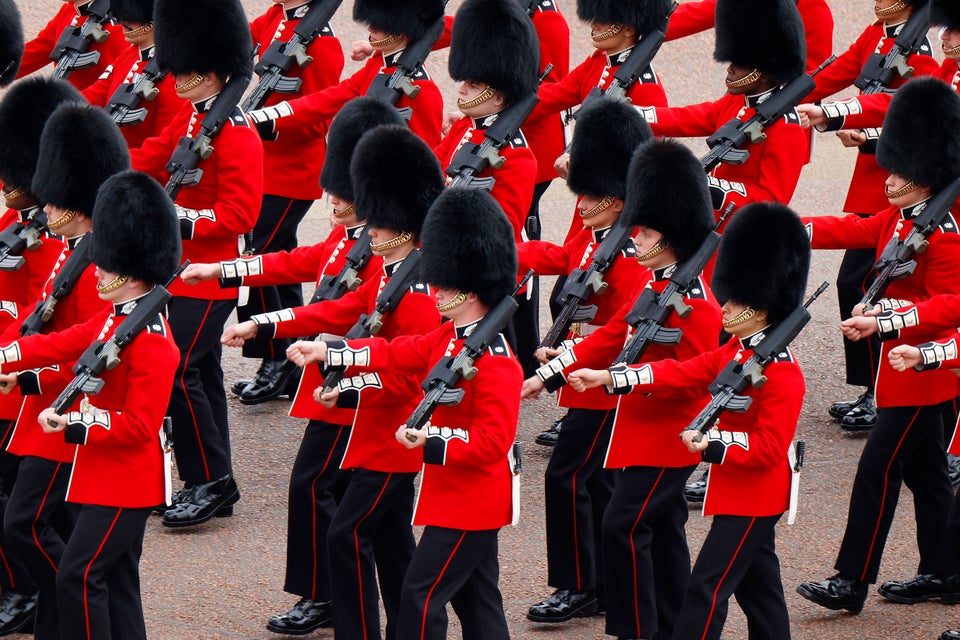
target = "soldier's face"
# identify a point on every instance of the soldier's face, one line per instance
(604, 216)
(950, 43)
(738, 322)
(478, 99)
(612, 37)
(649, 255)
(892, 11)
(138, 34)
(901, 192)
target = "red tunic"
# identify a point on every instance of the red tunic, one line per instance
(467, 480)
(750, 473)
(925, 320)
(937, 271)
(292, 165)
(226, 202)
(20, 289)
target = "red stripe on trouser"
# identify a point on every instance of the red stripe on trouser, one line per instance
(356, 546)
(193, 415)
(86, 572)
(426, 602)
(313, 507)
(6, 565)
(633, 550)
(36, 517)
(573, 500)
(713, 604)
(279, 224)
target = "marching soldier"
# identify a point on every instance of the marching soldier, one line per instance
(213, 214)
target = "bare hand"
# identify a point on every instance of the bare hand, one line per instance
(811, 115)
(562, 165)
(859, 327)
(235, 335)
(411, 438)
(195, 273)
(360, 50)
(852, 138)
(689, 440)
(8, 382)
(304, 352)
(329, 399)
(448, 119)
(51, 421)
(532, 387)
(546, 354)
(904, 357)
(583, 379)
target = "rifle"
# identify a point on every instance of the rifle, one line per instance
(583, 283)
(334, 287)
(440, 383)
(280, 56)
(737, 375)
(651, 310)
(896, 261)
(880, 70)
(106, 355)
(62, 285)
(370, 324)
(726, 142)
(72, 51)
(190, 151)
(18, 237)
(124, 107)
(472, 158)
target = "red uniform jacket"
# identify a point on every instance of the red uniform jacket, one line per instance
(925, 320)
(292, 165)
(938, 270)
(622, 277)
(20, 289)
(312, 112)
(36, 53)
(750, 474)
(694, 17)
(226, 202)
(467, 480)
(120, 460)
(127, 68)
(380, 399)
(514, 180)
(303, 264)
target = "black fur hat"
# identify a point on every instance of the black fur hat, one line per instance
(411, 18)
(80, 148)
(135, 229)
(762, 34)
(667, 191)
(468, 245)
(494, 42)
(132, 11)
(203, 36)
(945, 13)
(11, 41)
(763, 261)
(920, 139)
(352, 121)
(23, 113)
(607, 135)
(642, 15)
(396, 177)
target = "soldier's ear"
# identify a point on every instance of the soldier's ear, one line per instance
(630, 30)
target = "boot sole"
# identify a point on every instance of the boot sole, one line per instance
(583, 612)
(225, 510)
(943, 598)
(815, 598)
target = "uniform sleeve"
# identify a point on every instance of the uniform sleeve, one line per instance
(690, 18)
(330, 316)
(154, 154)
(405, 354)
(670, 378)
(818, 25)
(45, 349)
(565, 94)
(554, 35)
(99, 93)
(513, 189)
(36, 52)
(845, 232)
(545, 258)
(328, 65)
(926, 320)
(299, 115)
(844, 70)
(696, 120)
(282, 267)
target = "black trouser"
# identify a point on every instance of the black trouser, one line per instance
(316, 486)
(98, 586)
(370, 538)
(276, 230)
(738, 558)
(38, 524)
(853, 279)
(646, 560)
(459, 567)
(577, 490)
(13, 574)
(905, 447)
(198, 403)
(523, 332)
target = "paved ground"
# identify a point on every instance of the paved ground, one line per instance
(223, 580)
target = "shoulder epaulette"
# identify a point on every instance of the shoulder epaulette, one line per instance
(499, 347)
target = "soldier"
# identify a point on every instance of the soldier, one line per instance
(920, 149)
(118, 473)
(576, 486)
(291, 167)
(11, 36)
(213, 214)
(469, 487)
(761, 274)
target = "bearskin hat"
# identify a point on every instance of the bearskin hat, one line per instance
(132, 11)
(667, 191)
(11, 41)
(468, 245)
(642, 15)
(945, 13)
(766, 35)
(763, 260)
(607, 135)
(352, 121)
(23, 113)
(135, 229)
(494, 42)
(396, 177)
(919, 139)
(200, 36)
(411, 18)
(80, 148)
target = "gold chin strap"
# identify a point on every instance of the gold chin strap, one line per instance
(603, 204)
(113, 285)
(740, 318)
(386, 42)
(139, 31)
(655, 250)
(393, 243)
(746, 80)
(343, 214)
(455, 302)
(14, 193)
(190, 84)
(895, 7)
(904, 190)
(484, 95)
(954, 51)
(67, 216)
(608, 33)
